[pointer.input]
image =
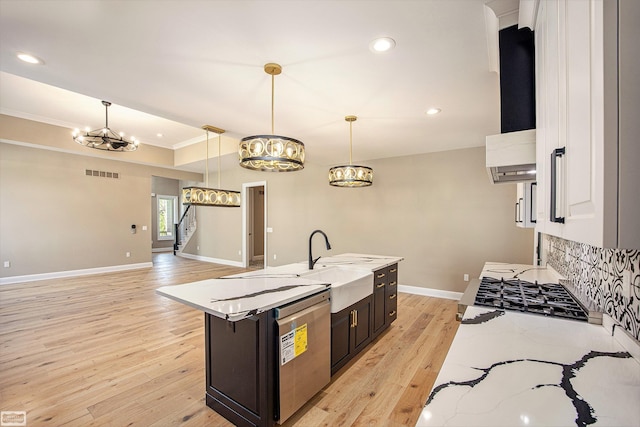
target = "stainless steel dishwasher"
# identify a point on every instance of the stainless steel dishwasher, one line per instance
(304, 349)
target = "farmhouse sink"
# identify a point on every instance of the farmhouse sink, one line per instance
(348, 285)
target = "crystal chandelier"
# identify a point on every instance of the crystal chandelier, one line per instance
(350, 175)
(204, 196)
(272, 153)
(105, 138)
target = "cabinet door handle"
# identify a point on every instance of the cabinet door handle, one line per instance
(520, 205)
(392, 296)
(557, 153)
(380, 276)
(515, 212)
(353, 318)
(532, 194)
(392, 313)
(393, 270)
(392, 283)
(356, 316)
(380, 285)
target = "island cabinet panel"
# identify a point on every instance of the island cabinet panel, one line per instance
(240, 366)
(379, 305)
(351, 331)
(391, 295)
(385, 285)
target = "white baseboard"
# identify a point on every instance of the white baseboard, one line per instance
(73, 273)
(212, 260)
(428, 292)
(167, 249)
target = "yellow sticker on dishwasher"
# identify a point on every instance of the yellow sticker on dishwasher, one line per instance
(293, 344)
(301, 340)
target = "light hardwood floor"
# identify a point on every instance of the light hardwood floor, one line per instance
(105, 350)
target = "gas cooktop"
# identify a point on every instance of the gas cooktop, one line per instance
(548, 299)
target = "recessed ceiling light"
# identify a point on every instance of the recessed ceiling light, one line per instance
(382, 44)
(26, 57)
(432, 111)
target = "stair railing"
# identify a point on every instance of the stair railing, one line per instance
(186, 224)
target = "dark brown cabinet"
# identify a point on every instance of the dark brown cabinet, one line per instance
(351, 331)
(385, 294)
(356, 326)
(240, 367)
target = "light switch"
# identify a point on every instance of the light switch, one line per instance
(144, 228)
(269, 230)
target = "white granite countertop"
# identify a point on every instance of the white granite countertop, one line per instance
(241, 297)
(516, 369)
(363, 261)
(529, 273)
(246, 294)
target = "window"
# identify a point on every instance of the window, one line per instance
(167, 216)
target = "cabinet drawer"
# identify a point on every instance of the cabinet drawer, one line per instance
(392, 273)
(381, 276)
(386, 275)
(392, 312)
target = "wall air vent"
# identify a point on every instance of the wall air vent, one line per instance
(102, 174)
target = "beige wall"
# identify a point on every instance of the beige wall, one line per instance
(438, 211)
(54, 218)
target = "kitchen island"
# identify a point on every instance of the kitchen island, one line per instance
(507, 368)
(269, 333)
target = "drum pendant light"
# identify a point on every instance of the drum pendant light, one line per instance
(205, 196)
(271, 153)
(350, 175)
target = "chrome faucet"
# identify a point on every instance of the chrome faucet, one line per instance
(312, 261)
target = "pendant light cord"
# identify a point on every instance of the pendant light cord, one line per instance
(273, 91)
(350, 142)
(206, 164)
(219, 137)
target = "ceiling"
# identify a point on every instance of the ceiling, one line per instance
(172, 66)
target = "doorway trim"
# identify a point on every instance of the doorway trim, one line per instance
(246, 216)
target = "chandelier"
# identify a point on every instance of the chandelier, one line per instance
(272, 153)
(105, 138)
(350, 175)
(204, 196)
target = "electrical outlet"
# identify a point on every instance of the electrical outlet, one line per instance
(128, 254)
(466, 277)
(240, 252)
(7, 264)
(197, 248)
(269, 229)
(144, 228)
(566, 256)
(274, 256)
(626, 283)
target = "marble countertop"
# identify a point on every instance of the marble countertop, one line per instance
(363, 261)
(529, 273)
(246, 294)
(241, 297)
(515, 369)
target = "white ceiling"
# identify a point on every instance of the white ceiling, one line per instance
(172, 66)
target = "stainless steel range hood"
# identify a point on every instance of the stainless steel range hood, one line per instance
(511, 157)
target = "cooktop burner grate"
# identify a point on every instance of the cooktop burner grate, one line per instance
(548, 299)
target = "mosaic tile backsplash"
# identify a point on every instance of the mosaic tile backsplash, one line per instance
(599, 273)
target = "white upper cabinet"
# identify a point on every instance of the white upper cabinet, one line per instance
(579, 188)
